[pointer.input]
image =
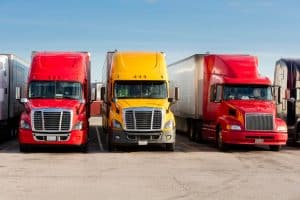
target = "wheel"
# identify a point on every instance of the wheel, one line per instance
(84, 148)
(111, 146)
(220, 144)
(24, 148)
(191, 131)
(292, 139)
(275, 147)
(170, 146)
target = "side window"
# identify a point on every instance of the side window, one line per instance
(218, 93)
(212, 93)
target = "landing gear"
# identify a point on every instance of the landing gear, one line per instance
(191, 131)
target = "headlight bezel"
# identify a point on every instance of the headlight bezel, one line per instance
(233, 127)
(282, 128)
(116, 124)
(169, 125)
(78, 125)
(25, 124)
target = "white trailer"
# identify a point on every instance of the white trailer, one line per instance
(13, 77)
(187, 74)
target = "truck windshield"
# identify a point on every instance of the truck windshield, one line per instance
(58, 89)
(140, 89)
(247, 92)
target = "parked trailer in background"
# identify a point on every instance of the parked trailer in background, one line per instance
(13, 78)
(287, 84)
(58, 103)
(136, 104)
(96, 93)
(224, 99)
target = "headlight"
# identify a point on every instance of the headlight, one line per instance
(78, 126)
(234, 127)
(282, 128)
(169, 124)
(117, 124)
(24, 124)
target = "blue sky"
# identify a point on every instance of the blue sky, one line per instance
(268, 29)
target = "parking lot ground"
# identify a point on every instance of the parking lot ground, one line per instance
(193, 171)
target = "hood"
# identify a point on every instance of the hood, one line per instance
(151, 103)
(53, 103)
(252, 106)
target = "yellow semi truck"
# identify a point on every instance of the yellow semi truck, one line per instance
(136, 100)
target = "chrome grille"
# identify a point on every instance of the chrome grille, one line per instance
(65, 122)
(143, 119)
(37, 120)
(157, 119)
(259, 122)
(129, 120)
(52, 120)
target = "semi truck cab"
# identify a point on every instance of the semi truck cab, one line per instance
(57, 102)
(136, 104)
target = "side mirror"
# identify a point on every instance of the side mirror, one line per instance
(24, 100)
(287, 94)
(279, 95)
(94, 95)
(82, 101)
(102, 93)
(176, 93)
(18, 93)
(171, 100)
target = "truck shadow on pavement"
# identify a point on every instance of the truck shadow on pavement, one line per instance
(185, 145)
(98, 144)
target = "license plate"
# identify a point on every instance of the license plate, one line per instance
(51, 138)
(143, 142)
(259, 141)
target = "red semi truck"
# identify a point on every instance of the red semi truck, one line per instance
(57, 107)
(224, 99)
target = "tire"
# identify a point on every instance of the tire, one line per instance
(111, 147)
(275, 147)
(220, 144)
(84, 148)
(24, 148)
(292, 139)
(170, 146)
